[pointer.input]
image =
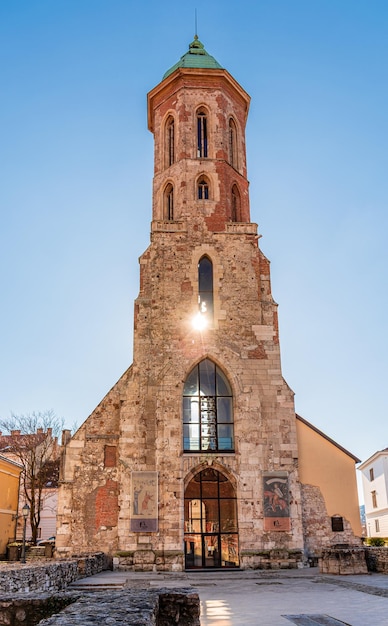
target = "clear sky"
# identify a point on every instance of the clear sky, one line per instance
(76, 166)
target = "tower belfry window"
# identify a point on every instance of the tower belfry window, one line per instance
(232, 143)
(169, 203)
(170, 141)
(203, 189)
(201, 134)
(205, 287)
(236, 205)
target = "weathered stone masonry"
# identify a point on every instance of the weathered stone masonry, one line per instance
(138, 427)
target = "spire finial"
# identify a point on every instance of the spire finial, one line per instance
(196, 28)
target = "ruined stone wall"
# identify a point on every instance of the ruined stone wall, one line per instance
(317, 529)
(142, 415)
(52, 576)
(377, 559)
(158, 607)
(89, 478)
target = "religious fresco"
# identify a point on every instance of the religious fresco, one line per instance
(144, 502)
(276, 502)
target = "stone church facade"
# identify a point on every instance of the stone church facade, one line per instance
(192, 459)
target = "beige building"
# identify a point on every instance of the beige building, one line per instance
(195, 458)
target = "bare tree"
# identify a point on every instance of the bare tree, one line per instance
(32, 441)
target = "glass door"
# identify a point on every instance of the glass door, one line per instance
(211, 533)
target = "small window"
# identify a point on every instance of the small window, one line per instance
(201, 134)
(232, 143)
(377, 526)
(371, 474)
(170, 141)
(169, 203)
(236, 204)
(374, 500)
(203, 189)
(337, 524)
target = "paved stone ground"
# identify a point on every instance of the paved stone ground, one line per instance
(260, 598)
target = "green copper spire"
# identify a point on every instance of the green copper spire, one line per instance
(195, 57)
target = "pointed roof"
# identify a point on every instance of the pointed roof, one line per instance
(195, 57)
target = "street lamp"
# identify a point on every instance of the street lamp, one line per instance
(25, 511)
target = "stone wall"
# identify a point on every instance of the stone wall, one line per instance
(30, 610)
(317, 530)
(377, 559)
(350, 560)
(52, 576)
(159, 607)
(272, 559)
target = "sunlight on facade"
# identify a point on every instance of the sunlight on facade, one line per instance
(199, 321)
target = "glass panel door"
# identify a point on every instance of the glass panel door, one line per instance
(211, 531)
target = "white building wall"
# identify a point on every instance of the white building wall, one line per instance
(379, 485)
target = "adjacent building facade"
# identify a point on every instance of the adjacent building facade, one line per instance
(192, 460)
(37, 455)
(9, 496)
(375, 488)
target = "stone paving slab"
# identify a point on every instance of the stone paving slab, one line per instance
(266, 598)
(314, 620)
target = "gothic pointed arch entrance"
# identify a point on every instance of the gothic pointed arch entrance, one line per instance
(211, 530)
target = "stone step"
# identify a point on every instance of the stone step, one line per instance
(91, 587)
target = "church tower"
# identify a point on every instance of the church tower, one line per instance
(191, 460)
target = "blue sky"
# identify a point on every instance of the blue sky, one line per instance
(76, 166)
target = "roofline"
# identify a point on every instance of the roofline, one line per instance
(329, 439)
(187, 71)
(374, 456)
(5, 458)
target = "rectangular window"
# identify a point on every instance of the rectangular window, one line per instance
(337, 524)
(371, 474)
(377, 526)
(374, 500)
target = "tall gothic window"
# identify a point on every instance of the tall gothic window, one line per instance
(232, 143)
(201, 134)
(207, 410)
(205, 287)
(169, 142)
(169, 202)
(236, 204)
(203, 189)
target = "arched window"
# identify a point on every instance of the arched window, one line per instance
(211, 526)
(203, 189)
(169, 142)
(205, 287)
(169, 202)
(207, 410)
(201, 134)
(236, 204)
(232, 143)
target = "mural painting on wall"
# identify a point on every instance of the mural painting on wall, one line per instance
(276, 502)
(144, 502)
